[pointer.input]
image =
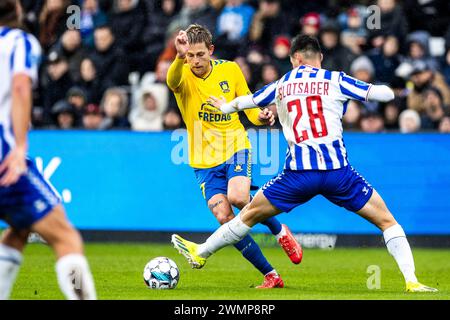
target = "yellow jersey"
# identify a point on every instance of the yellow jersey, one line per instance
(213, 137)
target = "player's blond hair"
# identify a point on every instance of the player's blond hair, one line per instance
(198, 34)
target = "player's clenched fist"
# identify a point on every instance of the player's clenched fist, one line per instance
(267, 116)
(182, 44)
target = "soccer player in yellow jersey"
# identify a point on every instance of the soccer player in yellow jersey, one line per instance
(219, 149)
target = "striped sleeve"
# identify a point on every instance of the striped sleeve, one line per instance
(266, 95)
(353, 88)
(26, 56)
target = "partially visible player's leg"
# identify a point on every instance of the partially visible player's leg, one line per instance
(229, 233)
(239, 197)
(239, 175)
(74, 276)
(258, 210)
(223, 212)
(376, 211)
(349, 189)
(12, 244)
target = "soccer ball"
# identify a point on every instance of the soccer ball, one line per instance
(161, 273)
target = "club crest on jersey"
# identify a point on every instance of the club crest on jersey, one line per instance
(237, 168)
(224, 86)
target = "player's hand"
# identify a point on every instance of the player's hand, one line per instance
(182, 44)
(267, 116)
(217, 102)
(13, 166)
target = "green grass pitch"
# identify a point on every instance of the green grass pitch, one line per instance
(323, 274)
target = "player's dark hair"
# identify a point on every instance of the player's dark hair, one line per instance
(307, 45)
(198, 34)
(8, 13)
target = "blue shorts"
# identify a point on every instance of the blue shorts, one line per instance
(214, 180)
(28, 200)
(344, 187)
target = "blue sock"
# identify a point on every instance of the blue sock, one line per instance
(251, 251)
(273, 224)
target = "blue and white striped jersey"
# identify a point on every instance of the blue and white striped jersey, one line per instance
(310, 104)
(20, 53)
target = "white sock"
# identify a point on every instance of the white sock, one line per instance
(274, 272)
(399, 248)
(229, 233)
(75, 278)
(281, 234)
(10, 260)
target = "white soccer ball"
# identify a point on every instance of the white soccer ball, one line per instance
(161, 273)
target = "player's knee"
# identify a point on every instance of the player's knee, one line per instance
(239, 200)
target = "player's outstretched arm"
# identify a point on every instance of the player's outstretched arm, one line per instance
(235, 105)
(380, 93)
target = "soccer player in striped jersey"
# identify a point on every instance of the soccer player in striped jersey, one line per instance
(219, 149)
(310, 103)
(27, 201)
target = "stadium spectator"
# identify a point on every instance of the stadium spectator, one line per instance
(52, 22)
(434, 109)
(335, 55)
(77, 98)
(386, 60)
(247, 72)
(372, 122)
(92, 117)
(110, 61)
(233, 25)
(91, 18)
(391, 111)
(310, 24)
(392, 22)
(444, 125)
(114, 106)
(31, 10)
(409, 121)
(89, 82)
(280, 54)
(363, 69)
(354, 33)
(194, 11)
(159, 16)
(147, 115)
(172, 116)
(432, 15)
(70, 46)
(446, 66)
(64, 114)
(423, 77)
(352, 116)
(418, 49)
(58, 81)
(268, 22)
(127, 24)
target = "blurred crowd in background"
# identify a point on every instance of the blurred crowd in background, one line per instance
(111, 73)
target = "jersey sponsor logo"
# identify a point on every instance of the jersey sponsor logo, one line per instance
(210, 113)
(224, 86)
